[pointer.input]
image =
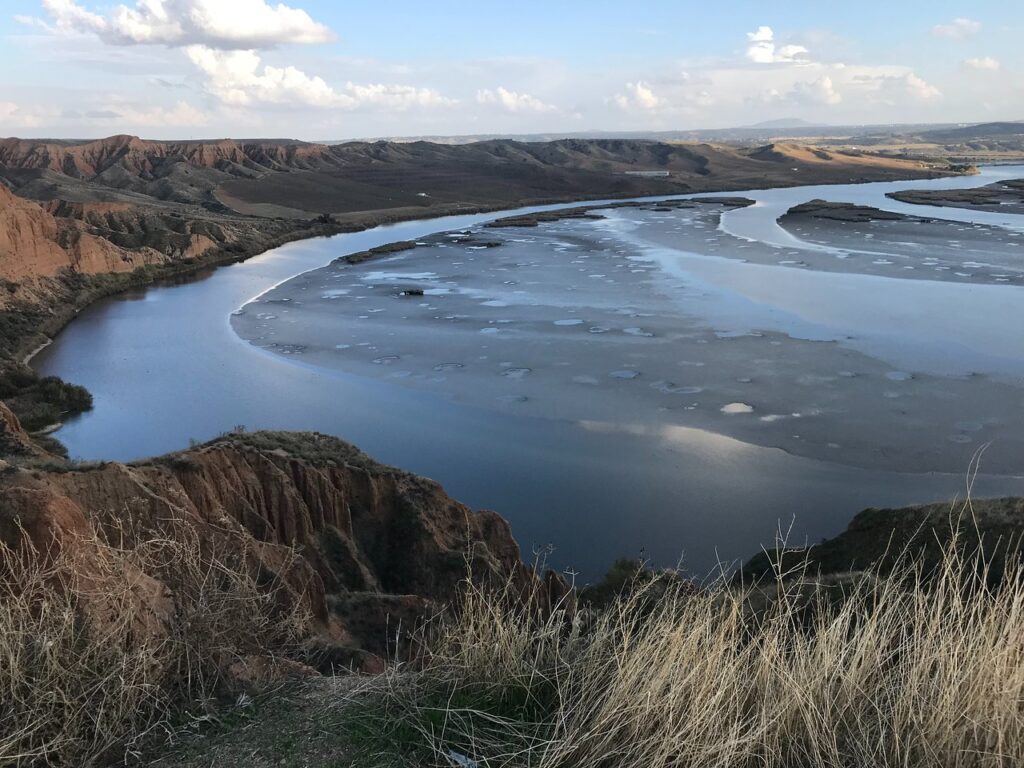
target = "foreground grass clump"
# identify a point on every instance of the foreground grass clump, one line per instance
(916, 668)
(107, 639)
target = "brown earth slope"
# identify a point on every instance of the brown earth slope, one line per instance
(378, 547)
(112, 205)
(34, 242)
(302, 180)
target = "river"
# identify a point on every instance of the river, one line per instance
(618, 471)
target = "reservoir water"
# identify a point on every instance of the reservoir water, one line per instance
(667, 382)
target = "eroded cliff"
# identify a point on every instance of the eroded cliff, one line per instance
(378, 547)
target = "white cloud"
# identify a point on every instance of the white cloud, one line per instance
(31, 21)
(235, 78)
(984, 63)
(68, 16)
(894, 90)
(512, 101)
(240, 78)
(394, 97)
(116, 113)
(20, 116)
(919, 89)
(8, 111)
(226, 24)
(222, 38)
(181, 114)
(702, 98)
(638, 95)
(958, 29)
(761, 49)
(820, 91)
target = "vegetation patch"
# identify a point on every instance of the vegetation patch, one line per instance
(848, 672)
(113, 637)
(39, 402)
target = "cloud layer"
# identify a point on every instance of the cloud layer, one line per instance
(639, 95)
(223, 40)
(984, 63)
(231, 66)
(957, 29)
(239, 78)
(227, 24)
(761, 49)
(512, 101)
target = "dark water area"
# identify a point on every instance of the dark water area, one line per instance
(620, 468)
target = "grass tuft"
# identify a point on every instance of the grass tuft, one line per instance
(111, 636)
(916, 667)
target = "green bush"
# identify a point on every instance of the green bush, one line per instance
(40, 402)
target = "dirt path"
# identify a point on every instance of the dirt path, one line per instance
(295, 727)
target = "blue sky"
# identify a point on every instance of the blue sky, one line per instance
(326, 70)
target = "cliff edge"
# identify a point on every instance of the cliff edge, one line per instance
(377, 547)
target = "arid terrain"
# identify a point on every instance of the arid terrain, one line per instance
(375, 541)
(271, 558)
(289, 573)
(1000, 142)
(439, 385)
(82, 220)
(114, 205)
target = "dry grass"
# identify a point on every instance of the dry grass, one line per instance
(909, 668)
(913, 669)
(106, 640)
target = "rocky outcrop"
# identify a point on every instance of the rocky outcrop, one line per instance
(846, 212)
(378, 547)
(111, 206)
(43, 240)
(14, 441)
(35, 243)
(1003, 196)
(881, 538)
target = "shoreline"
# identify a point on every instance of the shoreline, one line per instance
(27, 360)
(316, 323)
(363, 221)
(398, 429)
(49, 318)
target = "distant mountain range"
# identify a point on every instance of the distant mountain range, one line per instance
(979, 131)
(784, 128)
(785, 122)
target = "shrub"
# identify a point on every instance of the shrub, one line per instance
(72, 690)
(85, 672)
(912, 669)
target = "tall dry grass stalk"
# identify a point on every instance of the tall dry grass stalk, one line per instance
(109, 637)
(68, 691)
(909, 669)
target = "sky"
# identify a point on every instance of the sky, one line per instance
(322, 70)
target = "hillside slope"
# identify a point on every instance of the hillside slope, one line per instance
(375, 544)
(115, 204)
(300, 179)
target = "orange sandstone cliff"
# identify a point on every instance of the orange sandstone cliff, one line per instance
(378, 548)
(35, 243)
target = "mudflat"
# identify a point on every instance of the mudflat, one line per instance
(1003, 196)
(644, 319)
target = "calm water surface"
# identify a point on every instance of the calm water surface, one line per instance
(165, 367)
